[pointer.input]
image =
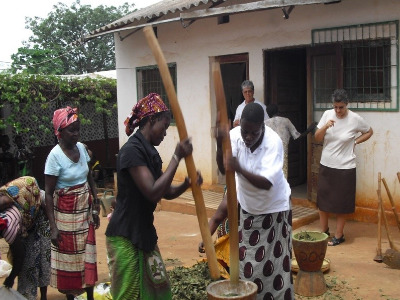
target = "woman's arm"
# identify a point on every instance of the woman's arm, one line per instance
(256, 180)
(320, 133)
(308, 130)
(96, 201)
(17, 249)
(216, 219)
(50, 185)
(152, 189)
(363, 137)
(177, 190)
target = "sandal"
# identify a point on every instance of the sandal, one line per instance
(336, 241)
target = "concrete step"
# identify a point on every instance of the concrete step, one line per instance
(302, 215)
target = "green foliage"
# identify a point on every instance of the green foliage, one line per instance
(21, 93)
(190, 283)
(50, 49)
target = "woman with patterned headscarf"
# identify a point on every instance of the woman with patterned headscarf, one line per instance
(25, 227)
(73, 209)
(136, 267)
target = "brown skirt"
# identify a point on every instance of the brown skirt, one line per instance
(336, 190)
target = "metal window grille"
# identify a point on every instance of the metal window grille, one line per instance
(369, 54)
(149, 81)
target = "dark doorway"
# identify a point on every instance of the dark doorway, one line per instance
(234, 70)
(286, 86)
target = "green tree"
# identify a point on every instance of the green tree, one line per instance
(52, 50)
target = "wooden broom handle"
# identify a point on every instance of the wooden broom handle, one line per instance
(380, 209)
(191, 169)
(396, 216)
(392, 246)
(230, 178)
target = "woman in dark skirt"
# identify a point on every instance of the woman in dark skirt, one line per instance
(339, 129)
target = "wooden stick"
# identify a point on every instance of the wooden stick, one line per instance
(378, 256)
(191, 169)
(392, 246)
(396, 216)
(398, 176)
(230, 178)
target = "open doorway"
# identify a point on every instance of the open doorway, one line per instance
(286, 86)
(234, 70)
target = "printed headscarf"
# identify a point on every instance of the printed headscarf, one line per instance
(25, 193)
(64, 117)
(148, 106)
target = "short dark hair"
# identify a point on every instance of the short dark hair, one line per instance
(340, 95)
(253, 112)
(272, 109)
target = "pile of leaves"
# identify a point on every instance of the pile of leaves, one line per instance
(190, 283)
(305, 236)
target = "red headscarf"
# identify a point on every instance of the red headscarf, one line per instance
(63, 117)
(149, 105)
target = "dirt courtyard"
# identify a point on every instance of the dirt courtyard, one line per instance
(353, 273)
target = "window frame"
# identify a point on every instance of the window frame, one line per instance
(340, 40)
(140, 89)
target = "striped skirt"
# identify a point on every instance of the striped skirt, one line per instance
(73, 262)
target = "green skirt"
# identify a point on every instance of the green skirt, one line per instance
(136, 274)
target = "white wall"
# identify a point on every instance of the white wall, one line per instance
(192, 48)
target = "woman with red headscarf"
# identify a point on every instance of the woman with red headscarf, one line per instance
(72, 208)
(136, 267)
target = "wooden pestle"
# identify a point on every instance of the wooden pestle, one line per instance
(191, 169)
(230, 177)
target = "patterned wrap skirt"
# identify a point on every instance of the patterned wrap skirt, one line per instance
(336, 190)
(136, 274)
(36, 269)
(265, 250)
(73, 262)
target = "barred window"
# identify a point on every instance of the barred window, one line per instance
(149, 81)
(362, 59)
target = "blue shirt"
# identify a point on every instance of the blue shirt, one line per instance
(69, 173)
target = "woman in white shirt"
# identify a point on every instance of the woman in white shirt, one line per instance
(339, 129)
(264, 197)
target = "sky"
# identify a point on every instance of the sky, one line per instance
(13, 13)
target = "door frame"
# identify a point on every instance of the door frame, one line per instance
(222, 59)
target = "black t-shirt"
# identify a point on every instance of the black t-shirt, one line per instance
(133, 217)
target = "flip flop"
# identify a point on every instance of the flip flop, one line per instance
(336, 241)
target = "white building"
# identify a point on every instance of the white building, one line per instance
(295, 51)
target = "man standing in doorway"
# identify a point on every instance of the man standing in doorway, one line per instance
(248, 94)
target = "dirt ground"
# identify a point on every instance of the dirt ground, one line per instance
(353, 273)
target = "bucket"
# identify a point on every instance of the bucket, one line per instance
(223, 289)
(105, 202)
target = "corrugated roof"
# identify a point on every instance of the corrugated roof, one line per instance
(158, 13)
(156, 10)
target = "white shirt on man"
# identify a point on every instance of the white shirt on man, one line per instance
(266, 161)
